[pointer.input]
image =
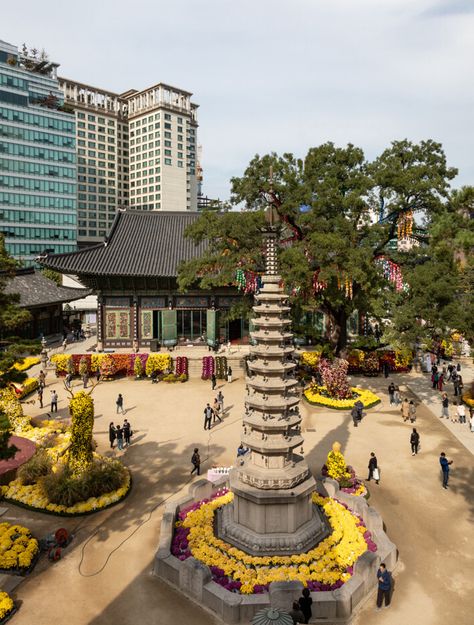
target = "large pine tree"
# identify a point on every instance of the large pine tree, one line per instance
(340, 213)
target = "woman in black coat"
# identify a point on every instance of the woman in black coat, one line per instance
(112, 435)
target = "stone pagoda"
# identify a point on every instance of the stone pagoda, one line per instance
(272, 512)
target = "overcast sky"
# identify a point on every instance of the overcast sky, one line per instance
(279, 75)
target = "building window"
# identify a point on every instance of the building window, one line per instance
(180, 163)
(167, 116)
(168, 161)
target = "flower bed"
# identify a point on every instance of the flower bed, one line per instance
(7, 607)
(317, 395)
(26, 363)
(468, 399)
(337, 469)
(182, 366)
(25, 388)
(18, 549)
(326, 567)
(399, 361)
(33, 497)
(221, 367)
(208, 367)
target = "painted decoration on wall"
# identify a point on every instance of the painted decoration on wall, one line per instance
(153, 302)
(117, 302)
(147, 324)
(191, 302)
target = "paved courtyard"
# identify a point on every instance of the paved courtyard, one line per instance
(105, 577)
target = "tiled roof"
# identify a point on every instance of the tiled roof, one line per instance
(140, 243)
(37, 290)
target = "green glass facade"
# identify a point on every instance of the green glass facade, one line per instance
(38, 190)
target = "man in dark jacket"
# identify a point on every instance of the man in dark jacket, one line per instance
(372, 466)
(208, 414)
(444, 462)
(414, 442)
(385, 586)
(296, 613)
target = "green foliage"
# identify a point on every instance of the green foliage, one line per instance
(340, 235)
(52, 275)
(37, 467)
(6, 450)
(65, 488)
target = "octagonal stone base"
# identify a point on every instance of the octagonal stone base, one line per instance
(276, 543)
(194, 580)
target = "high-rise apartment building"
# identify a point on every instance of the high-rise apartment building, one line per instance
(102, 157)
(134, 149)
(37, 157)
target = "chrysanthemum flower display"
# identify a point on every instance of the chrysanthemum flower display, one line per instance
(17, 548)
(319, 396)
(81, 407)
(6, 605)
(326, 567)
(337, 469)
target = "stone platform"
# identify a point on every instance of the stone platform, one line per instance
(194, 579)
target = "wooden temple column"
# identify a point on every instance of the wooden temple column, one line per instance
(100, 323)
(135, 324)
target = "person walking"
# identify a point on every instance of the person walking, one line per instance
(374, 472)
(229, 374)
(414, 442)
(208, 414)
(112, 434)
(40, 396)
(461, 412)
(386, 369)
(305, 605)
(445, 406)
(412, 411)
(119, 435)
(216, 408)
(85, 379)
(119, 404)
(434, 379)
(213, 381)
(384, 590)
(355, 416)
(42, 379)
(396, 396)
(440, 382)
(127, 432)
(220, 399)
(54, 401)
(64, 344)
(391, 393)
(296, 614)
(68, 380)
(405, 409)
(445, 463)
(471, 421)
(450, 372)
(196, 461)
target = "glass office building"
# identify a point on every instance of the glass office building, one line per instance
(38, 205)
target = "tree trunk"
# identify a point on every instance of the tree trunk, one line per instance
(337, 329)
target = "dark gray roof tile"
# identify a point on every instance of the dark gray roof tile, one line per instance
(139, 244)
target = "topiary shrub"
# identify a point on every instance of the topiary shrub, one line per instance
(37, 467)
(138, 367)
(81, 408)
